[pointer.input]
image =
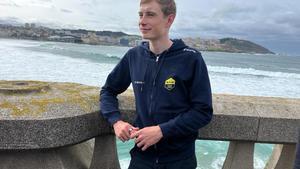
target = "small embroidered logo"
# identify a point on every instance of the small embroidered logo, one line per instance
(170, 83)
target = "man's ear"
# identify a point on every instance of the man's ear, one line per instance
(171, 19)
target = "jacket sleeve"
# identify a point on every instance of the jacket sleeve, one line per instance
(201, 110)
(117, 82)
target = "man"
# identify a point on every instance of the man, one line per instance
(172, 92)
(297, 160)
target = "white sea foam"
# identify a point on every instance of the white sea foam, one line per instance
(251, 71)
(259, 163)
(29, 65)
(218, 163)
(124, 163)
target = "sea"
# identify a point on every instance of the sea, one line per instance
(230, 73)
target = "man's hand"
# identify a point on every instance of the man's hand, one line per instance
(123, 130)
(147, 136)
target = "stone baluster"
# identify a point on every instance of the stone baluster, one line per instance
(240, 155)
(283, 157)
(105, 153)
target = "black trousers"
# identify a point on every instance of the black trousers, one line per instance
(138, 163)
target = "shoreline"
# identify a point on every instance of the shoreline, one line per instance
(212, 51)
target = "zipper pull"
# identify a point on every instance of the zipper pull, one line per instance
(157, 58)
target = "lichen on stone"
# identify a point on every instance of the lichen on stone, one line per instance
(35, 104)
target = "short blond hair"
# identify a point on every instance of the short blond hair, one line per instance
(167, 6)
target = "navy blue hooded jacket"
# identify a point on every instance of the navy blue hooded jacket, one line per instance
(171, 90)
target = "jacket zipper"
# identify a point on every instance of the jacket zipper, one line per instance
(153, 84)
(155, 147)
(151, 96)
(157, 58)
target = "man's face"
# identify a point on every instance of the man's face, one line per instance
(152, 23)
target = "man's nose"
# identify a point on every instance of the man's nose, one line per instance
(142, 20)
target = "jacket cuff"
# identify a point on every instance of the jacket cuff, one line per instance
(166, 129)
(114, 118)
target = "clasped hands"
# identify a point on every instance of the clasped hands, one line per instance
(144, 138)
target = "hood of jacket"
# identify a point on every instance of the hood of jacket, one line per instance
(177, 45)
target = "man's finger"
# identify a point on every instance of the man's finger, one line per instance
(120, 138)
(141, 144)
(138, 139)
(124, 137)
(145, 147)
(126, 133)
(134, 134)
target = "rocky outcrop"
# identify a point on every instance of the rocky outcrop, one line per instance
(226, 45)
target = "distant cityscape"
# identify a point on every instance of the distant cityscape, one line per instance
(32, 32)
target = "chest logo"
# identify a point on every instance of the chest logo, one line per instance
(170, 83)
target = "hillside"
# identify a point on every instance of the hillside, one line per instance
(227, 45)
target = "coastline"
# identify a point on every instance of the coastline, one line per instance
(110, 38)
(115, 45)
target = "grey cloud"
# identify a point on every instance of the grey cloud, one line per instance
(249, 21)
(85, 4)
(11, 20)
(232, 12)
(290, 19)
(91, 13)
(66, 11)
(46, 0)
(12, 4)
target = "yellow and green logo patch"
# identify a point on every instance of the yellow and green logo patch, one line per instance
(170, 83)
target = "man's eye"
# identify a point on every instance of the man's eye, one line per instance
(150, 14)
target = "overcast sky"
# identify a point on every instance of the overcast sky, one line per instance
(274, 24)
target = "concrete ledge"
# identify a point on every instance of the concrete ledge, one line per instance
(237, 118)
(229, 128)
(39, 134)
(39, 115)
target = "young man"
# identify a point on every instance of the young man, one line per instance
(297, 160)
(172, 92)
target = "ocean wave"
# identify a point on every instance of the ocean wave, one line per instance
(251, 71)
(78, 51)
(218, 163)
(124, 163)
(89, 55)
(18, 43)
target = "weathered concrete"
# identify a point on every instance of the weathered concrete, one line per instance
(70, 157)
(257, 119)
(42, 124)
(64, 114)
(279, 120)
(229, 110)
(239, 155)
(282, 157)
(46, 117)
(297, 161)
(105, 147)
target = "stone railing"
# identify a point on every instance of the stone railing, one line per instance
(244, 121)
(52, 133)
